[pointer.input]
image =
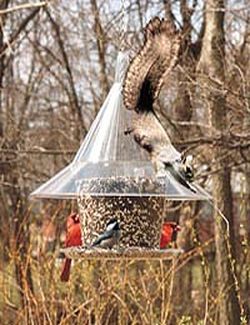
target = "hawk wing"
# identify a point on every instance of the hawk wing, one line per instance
(143, 82)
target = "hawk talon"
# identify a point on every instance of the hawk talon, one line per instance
(128, 131)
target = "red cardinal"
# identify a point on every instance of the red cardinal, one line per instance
(73, 238)
(169, 231)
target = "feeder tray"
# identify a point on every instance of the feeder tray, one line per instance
(133, 253)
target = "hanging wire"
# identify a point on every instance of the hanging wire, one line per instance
(220, 214)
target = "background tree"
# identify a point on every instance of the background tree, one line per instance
(212, 66)
(56, 66)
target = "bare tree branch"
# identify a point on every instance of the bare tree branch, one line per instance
(101, 44)
(23, 6)
(69, 71)
(21, 27)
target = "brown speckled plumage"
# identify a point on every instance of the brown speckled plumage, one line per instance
(142, 84)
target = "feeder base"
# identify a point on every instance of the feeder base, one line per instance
(131, 253)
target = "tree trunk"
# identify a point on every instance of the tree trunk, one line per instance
(13, 218)
(21, 240)
(3, 5)
(211, 64)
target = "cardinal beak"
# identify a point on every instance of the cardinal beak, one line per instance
(177, 228)
(76, 218)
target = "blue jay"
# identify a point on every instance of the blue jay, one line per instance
(110, 237)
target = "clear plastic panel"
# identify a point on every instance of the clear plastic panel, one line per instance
(110, 163)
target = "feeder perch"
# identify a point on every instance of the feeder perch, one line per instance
(135, 253)
(112, 177)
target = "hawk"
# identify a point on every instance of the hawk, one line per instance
(142, 84)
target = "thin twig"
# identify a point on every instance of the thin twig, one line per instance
(23, 6)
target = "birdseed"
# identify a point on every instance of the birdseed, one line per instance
(140, 218)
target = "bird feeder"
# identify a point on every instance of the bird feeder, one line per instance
(111, 176)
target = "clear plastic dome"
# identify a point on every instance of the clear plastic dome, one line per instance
(110, 163)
